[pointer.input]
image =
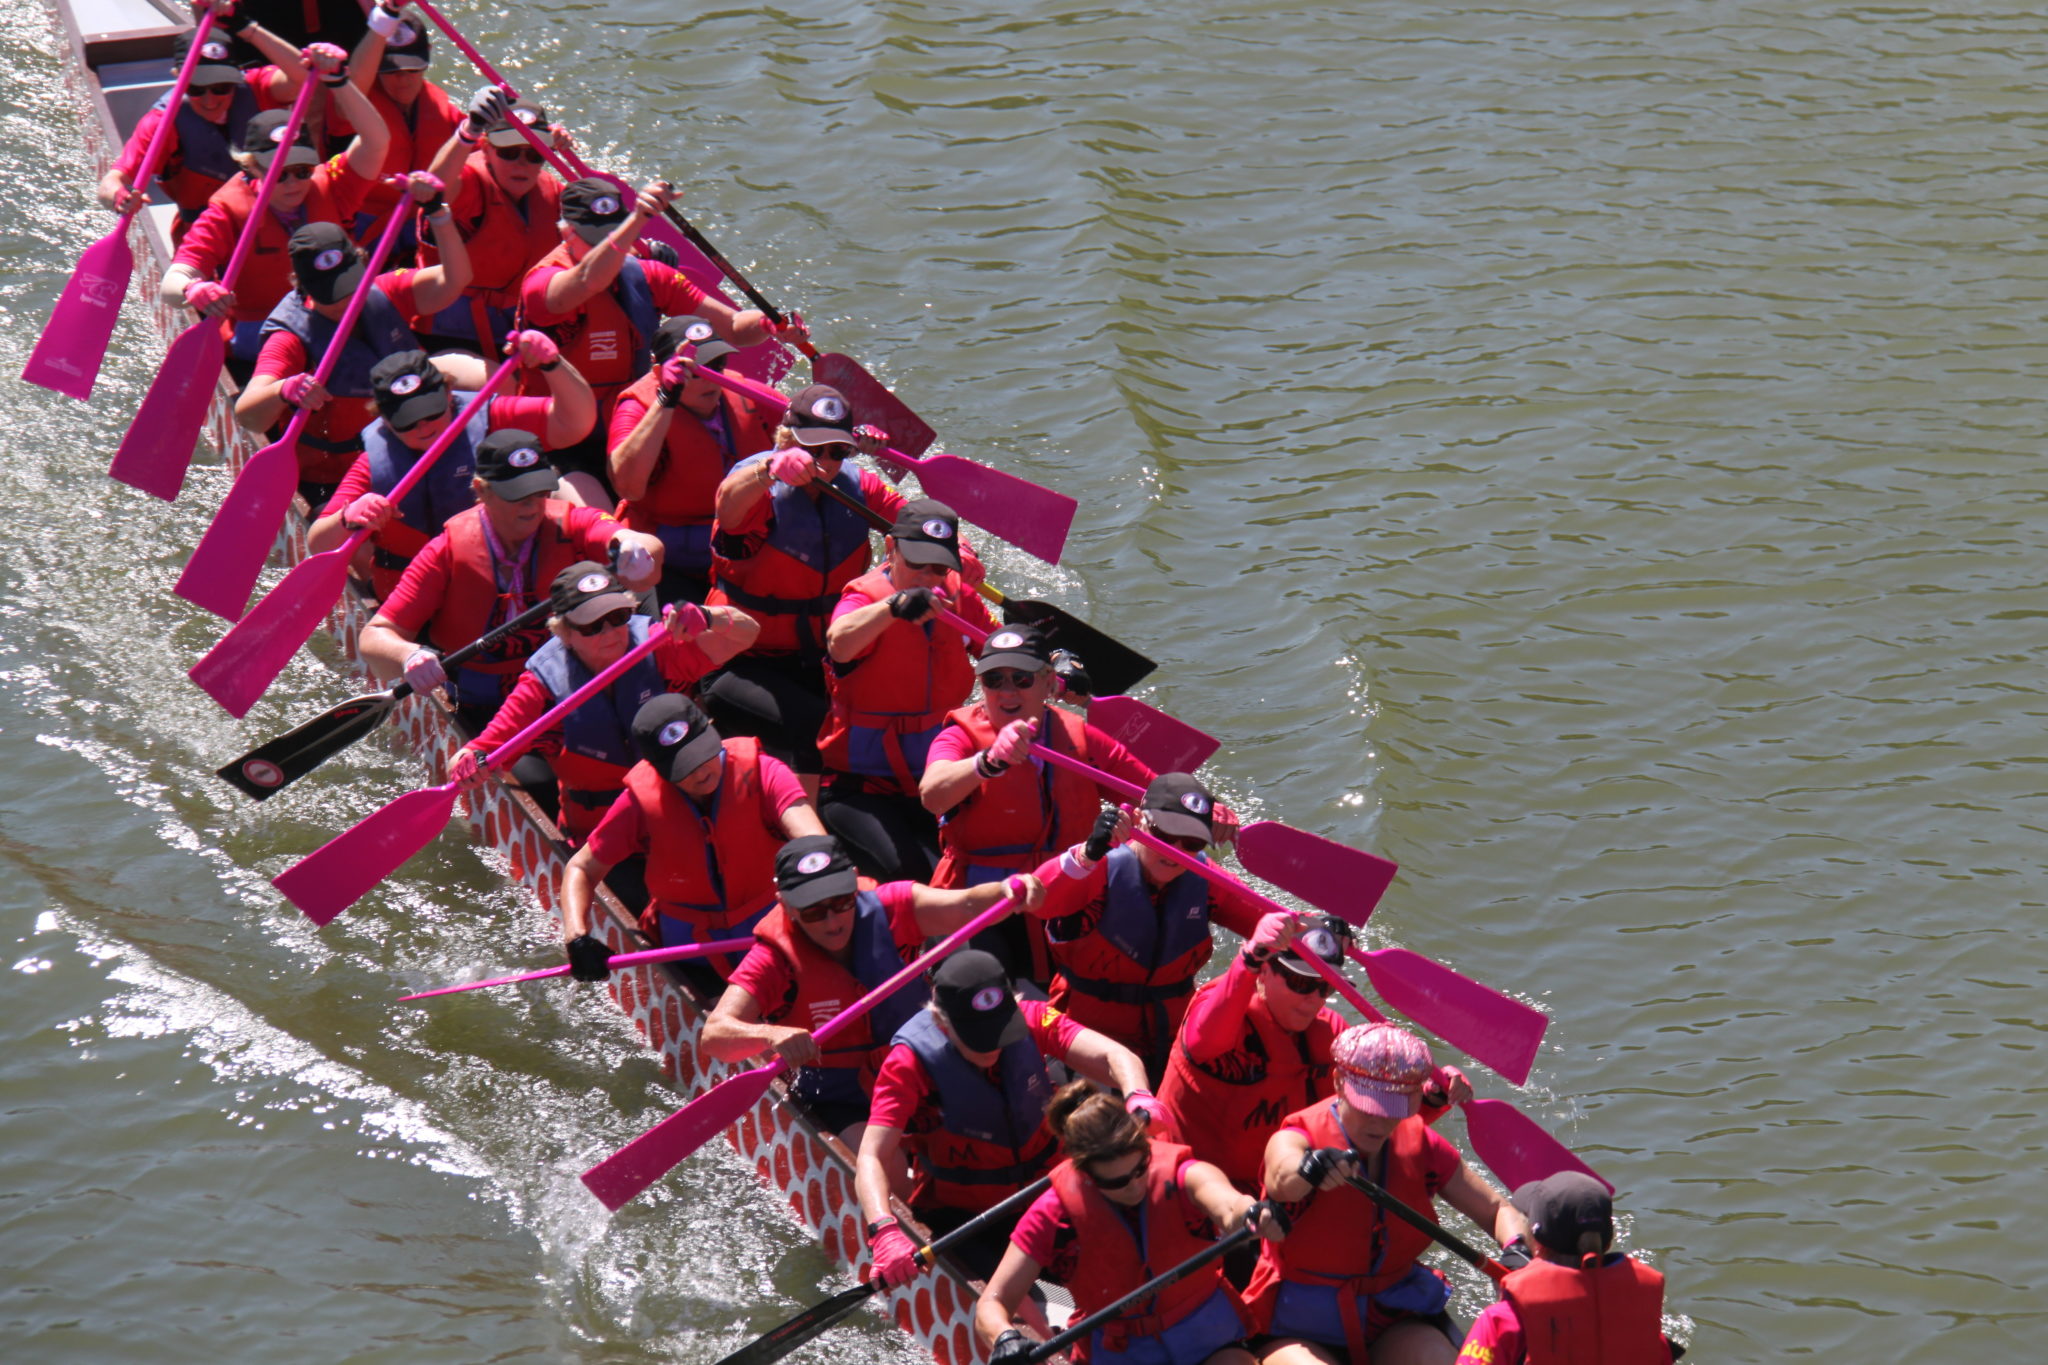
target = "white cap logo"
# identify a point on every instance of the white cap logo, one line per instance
(987, 998)
(936, 529)
(672, 733)
(213, 51)
(526, 457)
(595, 582)
(830, 408)
(526, 116)
(405, 384)
(1005, 639)
(402, 35)
(1195, 802)
(1321, 942)
(277, 135)
(330, 259)
(263, 773)
(605, 205)
(813, 862)
(697, 333)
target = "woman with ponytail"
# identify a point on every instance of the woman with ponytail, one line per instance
(1124, 1208)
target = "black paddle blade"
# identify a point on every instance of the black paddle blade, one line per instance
(269, 768)
(872, 402)
(1114, 667)
(780, 1341)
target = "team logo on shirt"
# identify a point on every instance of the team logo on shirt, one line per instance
(526, 457)
(673, 733)
(937, 530)
(1195, 802)
(595, 582)
(405, 384)
(263, 773)
(605, 205)
(813, 862)
(987, 998)
(830, 408)
(330, 259)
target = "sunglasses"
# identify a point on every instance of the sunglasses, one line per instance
(297, 173)
(1299, 984)
(611, 620)
(417, 423)
(1137, 1172)
(526, 154)
(1008, 679)
(824, 910)
(224, 88)
(832, 450)
(1186, 843)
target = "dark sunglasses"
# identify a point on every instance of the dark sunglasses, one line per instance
(1137, 1172)
(825, 909)
(1186, 843)
(224, 88)
(1299, 984)
(1008, 679)
(417, 422)
(527, 154)
(832, 450)
(611, 620)
(297, 173)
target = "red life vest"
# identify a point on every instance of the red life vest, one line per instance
(607, 339)
(1017, 820)
(991, 1139)
(597, 746)
(267, 276)
(681, 500)
(1612, 1315)
(890, 704)
(473, 604)
(1341, 1238)
(503, 243)
(789, 576)
(1227, 1107)
(1132, 975)
(1111, 1262)
(711, 876)
(416, 135)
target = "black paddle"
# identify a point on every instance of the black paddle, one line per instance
(271, 767)
(1428, 1227)
(780, 1341)
(1113, 667)
(1044, 1350)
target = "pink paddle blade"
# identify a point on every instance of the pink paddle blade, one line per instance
(1502, 1032)
(248, 658)
(620, 1177)
(68, 354)
(341, 871)
(875, 403)
(1032, 518)
(1166, 744)
(229, 557)
(1516, 1148)
(157, 450)
(1331, 876)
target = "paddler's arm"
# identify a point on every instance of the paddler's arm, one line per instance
(1105, 1061)
(569, 289)
(333, 525)
(1478, 1200)
(726, 634)
(995, 1312)
(385, 648)
(734, 1030)
(635, 455)
(1226, 1205)
(743, 487)
(369, 54)
(572, 406)
(942, 911)
(434, 287)
(881, 1150)
(579, 889)
(854, 632)
(801, 820)
(948, 781)
(365, 155)
(290, 73)
(1284, 1181)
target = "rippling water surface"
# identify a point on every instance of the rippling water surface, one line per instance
(1590, 457)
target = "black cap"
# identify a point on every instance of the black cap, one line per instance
(266, 130)
(1014, 647)
(927, 532)
(1325, 936)
(593, 207)
(814, 868)
(1561, 1208)
(819, 415)
(1180, 805)
(503, 134)
(675, 736)
(325, 263)
(587, 590)
(407, 49)
(216, 58)
(512, 462)
(408, 388)
(691, 330)
(973, 993)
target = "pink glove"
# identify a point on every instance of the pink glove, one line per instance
(1013, 745)
(371, 510)
(202, 295)
(536, 349)
(466, 768)
(297, 388)
(675, 372)
(1146, 1106)
(1448, 1084)
(793, 328)
(686, 621)
(1275, 932)
(793, 467)
(325, 58)
(895, 1255)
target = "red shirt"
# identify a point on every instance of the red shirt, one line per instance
(764, 975)
(681, 663)
(526, 414)
(903, 1089)
(418, 595)
(622, 832)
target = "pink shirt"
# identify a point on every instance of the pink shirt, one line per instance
(623, 832)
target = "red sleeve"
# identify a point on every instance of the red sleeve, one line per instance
(1214, 1023)
(779, 787)
(672, 290)
(208, 243)
(282, 354)
(626, 414)
(952, 745)
(1037, 1232)
(620, 834)
(345, 188)
(899, 902)
(527, 702)
(879, 495)
(1050, 1028)
(353, 485)
(681, 663)
(592, 531)
(419, 590)
(853, 598)
(1066, 895)
(1495, 1338)
(527, 414)
(397, 286)
(900, 1088)
(263, 84)
(533, 296)
(763, 975)
(132, 151)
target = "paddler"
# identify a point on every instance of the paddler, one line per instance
(208, 125)
(895, 674)
(415, 404)
(963, 1088)
(1125, 1207)
(709, 815)
(488, 565)
(389, 66)
(1578, 1302)
(832, 937)
(1128, 928)
(593, 621)
(999, 808)
(602, 305)
(326, 268)
(308, 190)
(675, 435)
(1347, 1284)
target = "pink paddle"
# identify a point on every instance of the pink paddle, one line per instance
(341, 872)
(1328, 875)
(652, 1155)
(248, 658)
(616, 962)
(223, 569)
(73, 345)
(1165, 743)
(1516, 1148)
(157, 450)
(1030, 517)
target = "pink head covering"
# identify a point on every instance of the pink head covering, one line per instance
(1380, 1069)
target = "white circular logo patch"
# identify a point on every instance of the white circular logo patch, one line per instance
(937, 530)
(213, 51)
(813, 862)
(987, 998)
(526, 457)
(526, 116)
(672, 733)
(277, 135)
(403, 35)
(830, 408)
(697, 333)
(605, 205)
(1321, 942)
(330, 259)
(405, 384)
(595, 582)
(1195, 802)
(263, 773)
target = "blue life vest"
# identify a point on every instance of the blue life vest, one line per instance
(444, 490)
(602, 727)
(819, 535)
(875, 958)
(1005, 1142)
(1151, 933)
(380, 331)
(205, 147)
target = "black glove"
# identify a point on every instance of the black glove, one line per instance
(1515, 1254)
(589, 959)
(658, 250)
(1315, 1168)
(1097, 847)
(1011, 1345)
(910, 604)
(1068, 668)
(1266, 1206)
(488, 108)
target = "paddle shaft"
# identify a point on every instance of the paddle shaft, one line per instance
(245, 244)
(160, 138)
(767, 394)
(614, 963)
(511, 749)
(1428, 1227)
(1045, 1349)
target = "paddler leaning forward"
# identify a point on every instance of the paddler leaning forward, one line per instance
(832, 937)
(1347, 1284)
(709, 815)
